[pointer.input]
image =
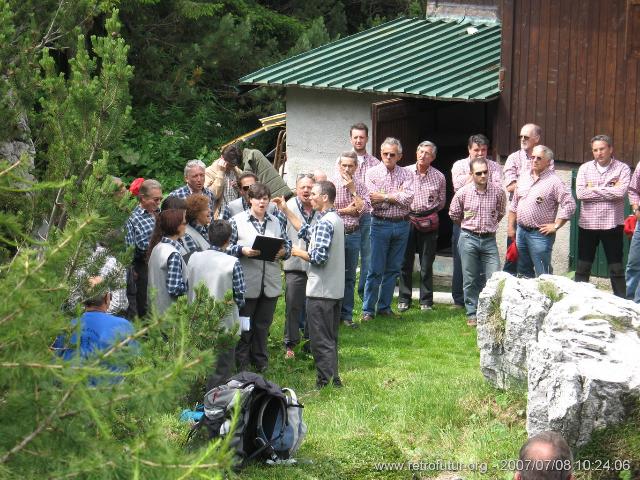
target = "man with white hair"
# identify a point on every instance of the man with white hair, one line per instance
(194, 178)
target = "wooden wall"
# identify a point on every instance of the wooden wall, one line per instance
(567, 69)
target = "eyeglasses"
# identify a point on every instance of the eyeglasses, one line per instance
(479, 174)
(523, 137)
(390, 155)
(305, 175)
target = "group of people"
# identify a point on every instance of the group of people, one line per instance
(373, 214)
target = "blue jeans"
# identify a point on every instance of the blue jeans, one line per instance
(365, 251)
(478, 255)
(388, 243)
(534, 252)
(456, 279)
(632, 273)
(351, 252)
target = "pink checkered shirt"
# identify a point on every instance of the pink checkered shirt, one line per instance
(460, 173)
(368, 162)
(430, 189)
(344, 199)
(602, 195)
(397, 182)
(542, 201)
(634, 187)
(517, 163)
(477, 211)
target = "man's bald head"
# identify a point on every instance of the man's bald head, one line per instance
(545, 456)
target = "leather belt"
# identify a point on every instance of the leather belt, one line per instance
(348, 230)
(528, 229)
(480, 235)
(392, 219)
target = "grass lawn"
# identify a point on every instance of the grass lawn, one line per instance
(413, 392)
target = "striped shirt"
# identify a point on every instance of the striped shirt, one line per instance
(461, 173)
(238, 286)
(634, 188)
(344, 199)
(430, 189)
(539, 202)
(322, 232)
(397, 182)
(517, 163)
(176, 284)
(185, 191)
(602, 194)
(478, 211)
(139, 228)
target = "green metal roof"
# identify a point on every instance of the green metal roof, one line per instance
(429, 58)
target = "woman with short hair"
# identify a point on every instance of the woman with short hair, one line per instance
(166, 265)
(196, 236)
(263, 279)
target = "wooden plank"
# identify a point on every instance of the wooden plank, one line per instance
(502, 127)
(560, 121)
(520, 83)
(598, 69)
(583, 43)
(532, 64)
(551, 100)
(618, 85)
(605, 109)
(542, 73)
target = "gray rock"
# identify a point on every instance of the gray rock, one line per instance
(576, 348)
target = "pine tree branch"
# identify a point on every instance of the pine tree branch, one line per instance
(177, 465)
(44, 424)
(7, 170)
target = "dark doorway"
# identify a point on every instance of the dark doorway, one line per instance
(447, 124)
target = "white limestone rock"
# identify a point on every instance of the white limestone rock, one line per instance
(585, 365)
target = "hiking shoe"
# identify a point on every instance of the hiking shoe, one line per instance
(289, 354)
(472, 321)
(320, 385)
(306, 348)
(389, 313)
(337, 383)
(425, 308)
(367, 317)
(403, 306)
(350, 324)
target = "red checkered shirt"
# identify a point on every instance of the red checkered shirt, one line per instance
(344, 199)
(430, 189)
(460, 173)
(368, 162)
(517, 163)
(398, 183)
(602, 194)
(541, 201)
(478, 211)
(634, 188)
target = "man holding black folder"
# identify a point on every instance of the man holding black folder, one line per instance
(325, 284)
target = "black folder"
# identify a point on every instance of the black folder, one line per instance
(268, 246)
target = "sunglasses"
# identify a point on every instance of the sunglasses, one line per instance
(523, 137)
(305, 175)
(479, 174)
(245, 188)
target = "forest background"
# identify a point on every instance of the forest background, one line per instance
(91, 89)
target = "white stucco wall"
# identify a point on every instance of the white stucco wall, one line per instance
(318, 124)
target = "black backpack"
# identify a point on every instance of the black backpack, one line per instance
(269, 426)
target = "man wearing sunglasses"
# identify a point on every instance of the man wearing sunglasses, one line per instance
(477, 209)
(541, 205)
(478, 147)
(240, 204)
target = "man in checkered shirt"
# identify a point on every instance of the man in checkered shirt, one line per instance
(138, 230)
(477, 208)
(542, 204)
(478, 147)
(359, 136)
(352, 201)
(194, 176)
(430, 189)
(391, 192)
(601, 186)
(632, 273)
